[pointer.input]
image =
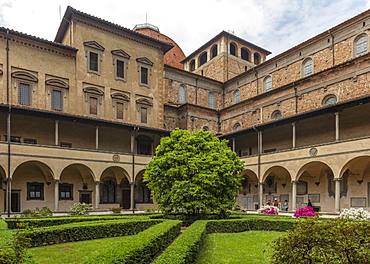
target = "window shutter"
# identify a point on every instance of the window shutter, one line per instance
(144, 75)
(93, 59)
(119, 110)
(56, 100)
(144, 115)
(24, 94)
(120, 69)
(93, 106)
(361, 46)
(307, 68)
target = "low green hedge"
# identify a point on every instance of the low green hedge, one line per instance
(241, 225)
(85, 231)
(60, 220)
(144, 249)
(186, 247)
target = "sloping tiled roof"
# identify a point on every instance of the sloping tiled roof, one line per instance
(135, 35)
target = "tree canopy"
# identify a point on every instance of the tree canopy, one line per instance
(194, 173)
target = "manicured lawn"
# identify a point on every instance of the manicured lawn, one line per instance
(246, 247)
(77, 252)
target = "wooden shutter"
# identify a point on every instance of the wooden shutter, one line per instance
(56, 100)
(93, 106)
(119, 110)
(144, 115)
(24, 96)
(120, 69)
(144, 75)
(93, 61)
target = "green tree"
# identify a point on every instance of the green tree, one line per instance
(194, 173)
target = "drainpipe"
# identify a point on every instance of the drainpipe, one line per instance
(9, 187)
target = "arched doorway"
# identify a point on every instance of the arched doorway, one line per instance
(315, 182)
(356, 173)
(32, 187)
(114, 188)
(76, 185)
(248, 195)
(277, 186)
(143, 197)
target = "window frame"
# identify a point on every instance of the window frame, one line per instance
(53, 89)
(276, 115)
(147, 75)
(192, 65)
(90, 52)
(94, 47)
(35, 184)
(123, 110)
(201, 55)
(182, 87)
(247, 52)
(97, 105)
(211, 100)
(326, 98)
(233, 44)
(141, 114)
(236, 96)
(355, 45)
(305, 61)
(30, 86)
(237, 126)
(65, 185)
(265, 88)
(213, 51)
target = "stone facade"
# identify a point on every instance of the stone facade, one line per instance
(299, 120)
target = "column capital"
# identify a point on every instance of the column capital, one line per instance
(97, 182)
(294, 181)
(56, 180)
(337, 179)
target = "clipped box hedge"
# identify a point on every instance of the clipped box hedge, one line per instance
(60, 220)
(186, 247)
(145, 248)
(85, 231)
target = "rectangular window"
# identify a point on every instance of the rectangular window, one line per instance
(144, 75)
(120, 69)
(57, 100)
(119, 110)
(24, 94)
(65, 191)
(35, 191)
(66, 145)
(144, 115)
(93, 105)
(93, 61)
(30, 141)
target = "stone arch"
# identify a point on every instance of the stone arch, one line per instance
(277, 182)
(247, 198)
(356, 173)
(142, 192)
(2, 188)
(76, 184)
(276, 170)
(315, 182)
(32, 186)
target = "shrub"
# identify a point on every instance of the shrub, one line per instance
(85, 231)
(306, 211)
(241, 225)
(269, 210)
(144, 249)
(43, 212)
(335, 241)
(80, 209)
(116, 210)
(186, 247)
(355, 214)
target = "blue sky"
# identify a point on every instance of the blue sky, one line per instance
(273, 24)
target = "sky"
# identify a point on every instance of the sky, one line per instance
(275, 25)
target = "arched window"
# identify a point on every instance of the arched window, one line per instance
(329, 100)
(276, 115)
(256, 58)
(211, 100)
(237, 96)
(192, 65)
(205, 128)
(237, 127)
(233, 49)
(267, 83)
(214, 51)
(182, 94)
(244, 53)
(307, 67)
(360, 45)
(202, 58)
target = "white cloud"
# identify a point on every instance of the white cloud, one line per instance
(273, 24)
